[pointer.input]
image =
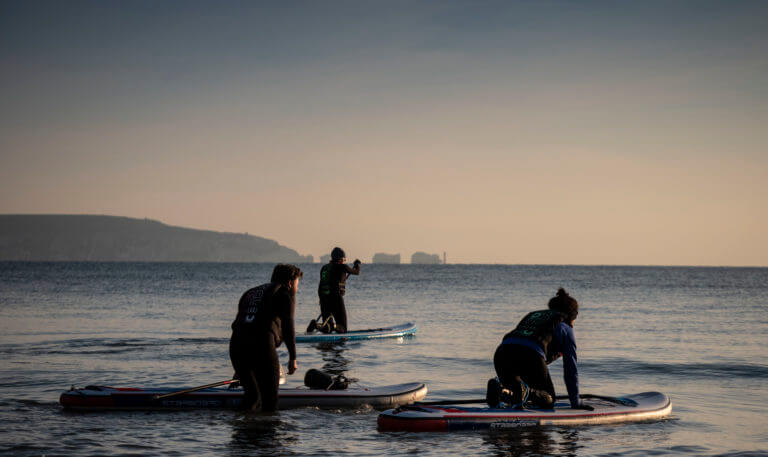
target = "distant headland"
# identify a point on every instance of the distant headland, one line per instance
(114, 238)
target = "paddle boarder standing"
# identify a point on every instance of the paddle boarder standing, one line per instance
(522, 357)
(333, 279)
(264, 321)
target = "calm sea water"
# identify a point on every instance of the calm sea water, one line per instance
(697, 334)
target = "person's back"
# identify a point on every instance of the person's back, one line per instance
(535, 330)
(262, 310)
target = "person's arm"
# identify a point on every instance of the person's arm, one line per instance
(567, 343)
(289, 333)
(354, 269)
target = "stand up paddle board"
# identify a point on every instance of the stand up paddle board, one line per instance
(394, 331)
(442, 418)
(103, 398)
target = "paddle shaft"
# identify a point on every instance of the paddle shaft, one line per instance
(462, 402)
(482, 400)
(449, 402)
(193, 389)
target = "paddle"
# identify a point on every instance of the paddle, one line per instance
(193, 389)
(482, 400)
(620, 401)
(449, 402)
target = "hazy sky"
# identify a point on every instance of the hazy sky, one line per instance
(556, 132)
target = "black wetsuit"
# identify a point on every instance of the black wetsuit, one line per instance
(333, 279)
(525, 352)
(264, 320)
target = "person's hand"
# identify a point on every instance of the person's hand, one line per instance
(584, 407)
(235, 383)
(292, 366)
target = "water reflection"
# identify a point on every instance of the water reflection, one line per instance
(332, 353)
(262, 434)
(533, 441)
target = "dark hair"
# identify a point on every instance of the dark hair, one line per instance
(284, 273)
(565, 304)
(338, 254)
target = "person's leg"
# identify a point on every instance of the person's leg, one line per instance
(325, 309)
(524, 373)
(547, 385)
(340, 314)
(501, 362)
(506, 362)
(536, 376)
(268, 376)
(326, 324)
(243, 364)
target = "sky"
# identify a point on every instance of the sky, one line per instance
(516, 132)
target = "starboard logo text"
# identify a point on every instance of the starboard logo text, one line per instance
(517, 423)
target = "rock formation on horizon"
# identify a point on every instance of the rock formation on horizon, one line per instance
(425, 259)
(381, 257)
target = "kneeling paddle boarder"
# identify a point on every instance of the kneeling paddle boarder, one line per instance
(521, 359)
(331, 289)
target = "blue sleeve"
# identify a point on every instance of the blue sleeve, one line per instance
(567, 341)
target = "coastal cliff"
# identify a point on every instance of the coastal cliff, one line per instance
(113, 238)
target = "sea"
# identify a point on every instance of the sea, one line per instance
(697, 334)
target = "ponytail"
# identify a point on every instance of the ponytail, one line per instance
(565, 304)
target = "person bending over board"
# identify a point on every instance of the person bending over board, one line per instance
(333, 279)
(522, 357)
(264, 320)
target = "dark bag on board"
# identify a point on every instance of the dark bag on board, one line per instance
(316, 379)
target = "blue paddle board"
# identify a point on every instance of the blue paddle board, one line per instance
(394, 331)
